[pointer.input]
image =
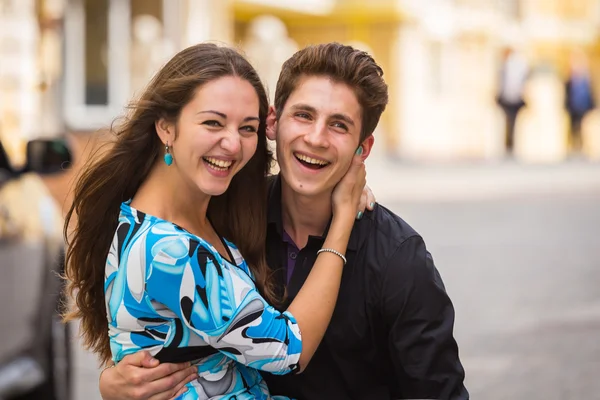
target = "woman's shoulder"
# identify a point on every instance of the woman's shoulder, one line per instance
(161, 236)
(149, 233)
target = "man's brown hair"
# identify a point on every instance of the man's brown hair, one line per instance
(340, 63)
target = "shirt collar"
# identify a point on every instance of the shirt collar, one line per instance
(274, 212)
(275, 215)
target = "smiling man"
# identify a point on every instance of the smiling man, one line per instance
(391, 335)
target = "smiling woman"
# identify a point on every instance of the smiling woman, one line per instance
(214, 137)
(153, 246)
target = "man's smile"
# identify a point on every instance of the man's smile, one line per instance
(311, 161)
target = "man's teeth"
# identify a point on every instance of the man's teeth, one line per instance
(311, 160)
(218, 163)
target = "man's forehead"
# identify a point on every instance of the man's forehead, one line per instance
(325, 95)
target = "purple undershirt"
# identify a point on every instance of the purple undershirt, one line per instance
(292, 254)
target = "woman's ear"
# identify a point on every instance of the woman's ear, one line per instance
(272, 123)
(165, 131)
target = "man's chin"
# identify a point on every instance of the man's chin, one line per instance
(308, 189)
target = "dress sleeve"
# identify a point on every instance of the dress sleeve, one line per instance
(220, 303)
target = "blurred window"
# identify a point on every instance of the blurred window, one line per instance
(98, 75)
(96, 62)
(96, 71)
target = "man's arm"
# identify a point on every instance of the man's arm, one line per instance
(419, 317)
(139, 376)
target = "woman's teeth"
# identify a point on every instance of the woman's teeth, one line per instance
(220, 165)
(310, 160)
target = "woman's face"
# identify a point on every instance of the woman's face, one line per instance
(216, 134)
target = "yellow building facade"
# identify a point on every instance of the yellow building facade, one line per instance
(81, 61)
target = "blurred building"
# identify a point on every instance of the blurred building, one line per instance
(73, 64)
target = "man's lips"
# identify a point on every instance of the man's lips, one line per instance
(311, 161)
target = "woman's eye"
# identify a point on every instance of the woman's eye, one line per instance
(213, 123)
(248, 128)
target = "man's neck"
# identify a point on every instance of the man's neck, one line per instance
(304, 216)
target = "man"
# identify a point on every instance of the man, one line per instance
(579, 98)
(391, 332)
(513, 76)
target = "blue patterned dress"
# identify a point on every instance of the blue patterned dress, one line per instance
(171, 293)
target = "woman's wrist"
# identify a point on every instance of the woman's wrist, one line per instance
(339, 233)
(343, 220)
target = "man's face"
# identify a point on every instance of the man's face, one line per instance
(317, 135)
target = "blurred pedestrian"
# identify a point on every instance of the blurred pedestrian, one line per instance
(513, 76)
(579, 97)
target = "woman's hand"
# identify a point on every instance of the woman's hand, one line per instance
(367, 201)
(347, 193)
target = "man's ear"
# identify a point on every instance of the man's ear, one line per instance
(165, 131)
(272, 123)
(367, 146)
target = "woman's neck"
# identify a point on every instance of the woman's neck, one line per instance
(166, 195)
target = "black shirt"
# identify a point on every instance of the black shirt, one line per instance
(390, 336)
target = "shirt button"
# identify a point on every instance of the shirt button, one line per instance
(293, 255)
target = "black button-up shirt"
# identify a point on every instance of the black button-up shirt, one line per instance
(390, 336)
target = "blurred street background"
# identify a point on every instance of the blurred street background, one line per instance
(490, 148)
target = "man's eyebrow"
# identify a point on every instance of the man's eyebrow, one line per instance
(343, 117)
(224, 116)
(304, 107)
(311, 109)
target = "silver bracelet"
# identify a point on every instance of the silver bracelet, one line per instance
(337, 253)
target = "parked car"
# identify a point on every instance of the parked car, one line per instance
(34, 349)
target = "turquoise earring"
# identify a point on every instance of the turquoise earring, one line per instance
(168, 156)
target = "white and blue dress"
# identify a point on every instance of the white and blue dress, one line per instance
(171, 293)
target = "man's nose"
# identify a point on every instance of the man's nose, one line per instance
(317, 135)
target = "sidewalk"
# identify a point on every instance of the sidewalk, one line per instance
(396, 181)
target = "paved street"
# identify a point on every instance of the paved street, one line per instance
(519, 251)
(523, 274)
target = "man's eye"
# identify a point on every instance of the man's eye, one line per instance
(212, 123)
(303, 115)
(340, 125)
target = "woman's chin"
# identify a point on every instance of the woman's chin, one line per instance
(213, 190)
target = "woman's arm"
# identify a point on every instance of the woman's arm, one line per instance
(222, 305)
(314, 304)
(313, 307)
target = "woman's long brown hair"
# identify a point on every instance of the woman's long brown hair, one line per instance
(115, 176)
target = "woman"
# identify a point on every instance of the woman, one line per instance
(157, 218)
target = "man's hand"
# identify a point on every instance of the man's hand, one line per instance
(139, 376)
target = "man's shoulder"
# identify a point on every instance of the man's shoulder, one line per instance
(387, 225)
(385, 239)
